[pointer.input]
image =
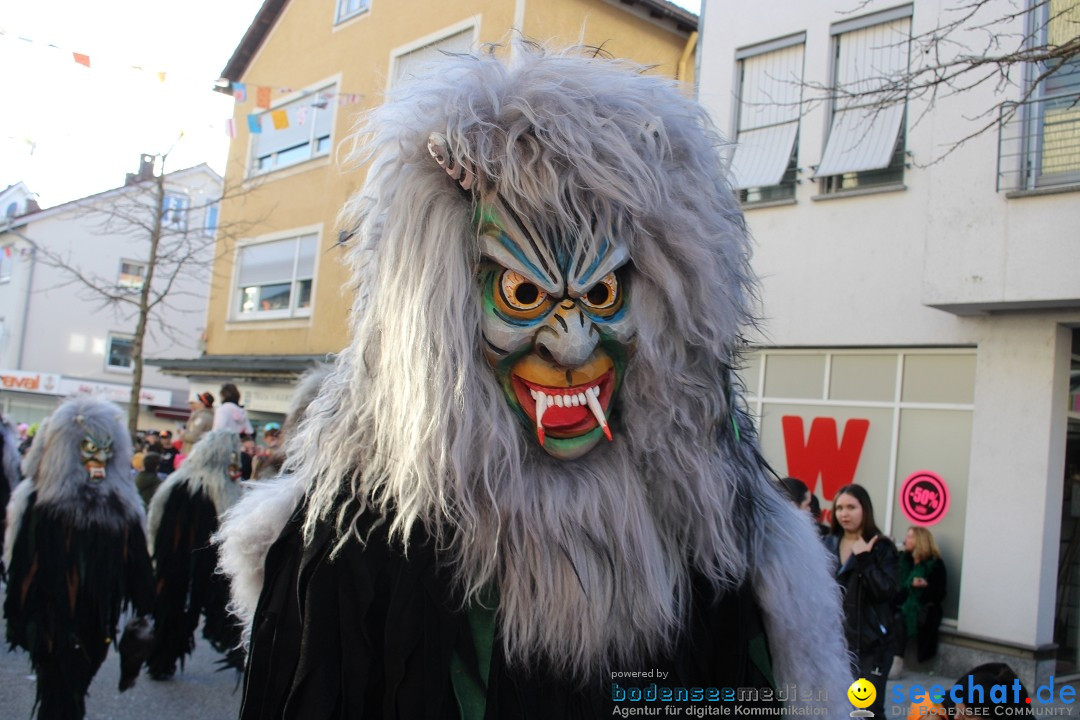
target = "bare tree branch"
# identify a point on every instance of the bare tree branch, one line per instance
(174, 255)
(1012, 49)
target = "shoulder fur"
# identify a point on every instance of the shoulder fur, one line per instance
(247, 531)
(15, 510)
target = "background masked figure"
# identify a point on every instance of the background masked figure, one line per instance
(182, 516)
(528, 472)
(75, 549)
(10, 473)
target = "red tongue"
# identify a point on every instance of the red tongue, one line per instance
(560, 417)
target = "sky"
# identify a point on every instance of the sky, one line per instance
(69, 131)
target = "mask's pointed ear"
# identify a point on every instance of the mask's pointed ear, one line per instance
(440, 150)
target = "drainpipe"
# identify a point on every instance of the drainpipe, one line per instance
(691, 44)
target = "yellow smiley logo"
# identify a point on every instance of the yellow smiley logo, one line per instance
(861, 693)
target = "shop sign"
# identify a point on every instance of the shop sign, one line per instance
(34, 382)
(924, 498)
(822, 453)
(115, 393)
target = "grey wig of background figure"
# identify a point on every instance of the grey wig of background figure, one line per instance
(592, 556)
(59, 477)
(206, 469)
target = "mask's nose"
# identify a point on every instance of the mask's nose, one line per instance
(568, 338)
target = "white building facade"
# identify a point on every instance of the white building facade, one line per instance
(920, 295)
(58, 338)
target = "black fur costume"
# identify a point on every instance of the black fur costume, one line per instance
(76, 555)
(183, 516)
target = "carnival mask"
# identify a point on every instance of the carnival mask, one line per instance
(555, 325)
(95, 455)
(555, 329)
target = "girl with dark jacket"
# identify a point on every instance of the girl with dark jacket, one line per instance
(867, 572)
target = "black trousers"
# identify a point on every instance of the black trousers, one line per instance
(874, 666)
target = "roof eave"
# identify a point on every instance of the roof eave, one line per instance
(250, 43)
(270, 11)
(252, 367)
(683, 19)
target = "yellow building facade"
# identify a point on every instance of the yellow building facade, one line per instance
(301, 75)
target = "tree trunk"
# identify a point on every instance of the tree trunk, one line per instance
(144, 305)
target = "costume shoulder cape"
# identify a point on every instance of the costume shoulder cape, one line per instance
(371, 633)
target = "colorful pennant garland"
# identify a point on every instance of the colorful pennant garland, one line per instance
(263, 101)
(279, 118)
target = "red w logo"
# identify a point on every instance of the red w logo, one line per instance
(821, 453)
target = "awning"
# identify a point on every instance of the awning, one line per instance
(861, 138)
(762, 155)
(238, 367)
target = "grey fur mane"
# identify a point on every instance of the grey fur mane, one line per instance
(53, 468)
(592, 557)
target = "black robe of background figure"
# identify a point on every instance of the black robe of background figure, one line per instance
(372, 633)
(188, 585)
(67, 585)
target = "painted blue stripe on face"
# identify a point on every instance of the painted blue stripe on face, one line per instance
(507, 242)
(518, 322)
(600, 255)
(606, 320)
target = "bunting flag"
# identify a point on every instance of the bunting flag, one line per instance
(7, 250)
(278, 120)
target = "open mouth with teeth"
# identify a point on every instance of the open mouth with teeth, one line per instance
(566, 412)
(96, 470)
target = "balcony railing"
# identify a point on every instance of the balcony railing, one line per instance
(1039, 144)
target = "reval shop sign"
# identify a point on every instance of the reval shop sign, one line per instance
(44, 383)
(53, 384)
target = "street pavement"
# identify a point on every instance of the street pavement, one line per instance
(199, 691)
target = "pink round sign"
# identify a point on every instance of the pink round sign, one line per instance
(924, 498)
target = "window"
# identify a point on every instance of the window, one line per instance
(174, 212)
(412, 62)
(274, 279)
(1055, 148)
(132, 274)
(210, 220)
(118, 352)
(294, 132)
(865, 146)
(350, 8)
(765, 162)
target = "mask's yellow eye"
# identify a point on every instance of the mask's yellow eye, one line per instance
(605, 298)
(519, 297)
